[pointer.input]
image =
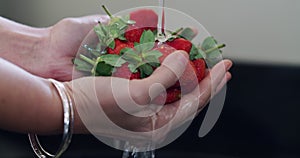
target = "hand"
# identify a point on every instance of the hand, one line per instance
(61, 45)
(104, 104)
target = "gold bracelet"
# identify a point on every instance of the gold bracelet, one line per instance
(68, 125)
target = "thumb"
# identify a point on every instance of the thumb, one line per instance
(168, 73)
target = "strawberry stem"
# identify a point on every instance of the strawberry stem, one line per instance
(177, 31)
(107, 11)
(102, 28)
(88, 60)
(215, 48)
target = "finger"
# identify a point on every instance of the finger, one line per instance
(168, 73)
(218, 71)
(189, 104)
(211, 81)
(173, 115)
(227, 77)
(132, 95)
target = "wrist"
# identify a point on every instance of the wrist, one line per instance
(20, 44)
(79, 127)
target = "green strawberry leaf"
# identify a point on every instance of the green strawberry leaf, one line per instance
(138, 47)
(122, 38)
(146, 70)
(111, 43)
(153, 61)
(154, 53)
(130, 56)
(136, 44)
(212, 50)
(113, 60)
(154, 64)
(144, 47)
(115, 29)
(147, 46)
(147, 37)
(187, 33)
(126, 50)
(196, 53)
(103, 69)
(132, 68)
(147, 41)
(209, 43)
(99, 31)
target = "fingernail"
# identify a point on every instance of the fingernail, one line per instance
(228, 64)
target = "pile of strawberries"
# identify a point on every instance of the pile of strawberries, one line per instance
(128, 48)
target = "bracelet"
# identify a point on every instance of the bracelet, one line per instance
(68, 125)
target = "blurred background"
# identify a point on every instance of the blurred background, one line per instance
(261, 114)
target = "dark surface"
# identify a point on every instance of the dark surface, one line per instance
(260, 119)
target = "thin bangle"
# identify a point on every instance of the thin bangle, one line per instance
(68, 125)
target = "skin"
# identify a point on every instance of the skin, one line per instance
(30, 103)
(45, 52)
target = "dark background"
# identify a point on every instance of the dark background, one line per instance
(260, 119)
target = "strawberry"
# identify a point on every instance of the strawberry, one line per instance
(172, 95)
(200, 67)
(124, 72)
(144, 18)
(188, 80)
(119, 45)
(165, 50)
(181, 44)
(134, 33)
(136, 39)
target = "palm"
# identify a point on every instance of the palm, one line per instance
(62, 45)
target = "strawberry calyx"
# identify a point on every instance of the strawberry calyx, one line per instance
(104, 65)
(114, 30)
(142, 57)
(181, 39)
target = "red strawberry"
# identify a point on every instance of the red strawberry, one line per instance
(181, 44)
(165, 50)
(124, 72)
(171, 96)
(134, 33)
(200, 68)
(144, 18)
(188, 81)
(119, 45)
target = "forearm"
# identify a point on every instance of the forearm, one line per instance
(28, 103)
(18, 43)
